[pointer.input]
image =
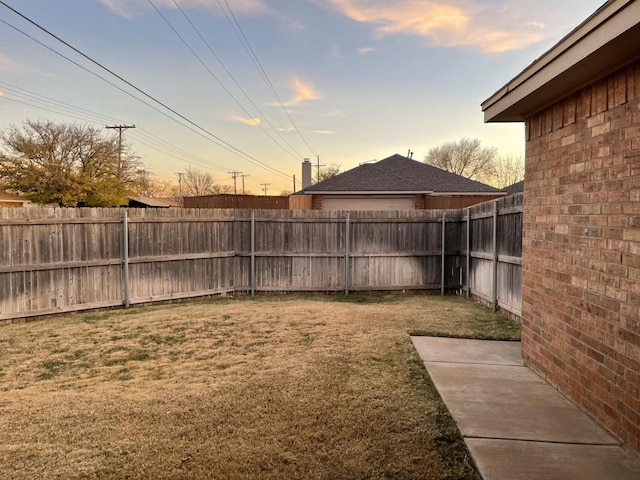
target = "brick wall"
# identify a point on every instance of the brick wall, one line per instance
(581, 259)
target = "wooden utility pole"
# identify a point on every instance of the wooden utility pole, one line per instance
(235, 175)
(265, 186)
(120, 128)
(244, 175)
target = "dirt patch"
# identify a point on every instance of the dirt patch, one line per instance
(323, 387)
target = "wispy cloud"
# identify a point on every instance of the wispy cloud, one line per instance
(497, 27)
(7, 64)
(335, 113)
(365, 50)
(302, 93)
(323, 132)
(130, 9)
(247, 121)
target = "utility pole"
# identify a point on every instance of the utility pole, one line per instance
(318, 167)
(235, 175)
(244, 175)
(265, 186)
(120, 128)
(294, 184)
(180, 174)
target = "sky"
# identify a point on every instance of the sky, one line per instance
(256, 86)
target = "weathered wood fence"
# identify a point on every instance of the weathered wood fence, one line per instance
(56, 260)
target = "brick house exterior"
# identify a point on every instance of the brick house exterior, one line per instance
(581, 245)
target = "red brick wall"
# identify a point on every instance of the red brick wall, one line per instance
(581, 259)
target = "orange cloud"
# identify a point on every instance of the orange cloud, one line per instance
(454, 23)
(248, 121)
(132, 8)
(302, 93)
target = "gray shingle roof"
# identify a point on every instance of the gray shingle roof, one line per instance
(399, 174)
(517, 187)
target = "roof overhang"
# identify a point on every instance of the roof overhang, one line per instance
(605, 42)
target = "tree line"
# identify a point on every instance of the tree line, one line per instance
(78, 165)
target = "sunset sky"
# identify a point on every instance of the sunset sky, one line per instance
(274, 81)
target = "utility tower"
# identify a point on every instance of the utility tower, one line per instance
(120, 128)
(318, 167)
(265, 186)
(243, 176)
(180, 174)
(235, 176)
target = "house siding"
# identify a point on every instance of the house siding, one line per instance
(581, 249)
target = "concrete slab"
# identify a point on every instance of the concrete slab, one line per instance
(460, 350)
(515, 424)
(503, 459)
(492, 401)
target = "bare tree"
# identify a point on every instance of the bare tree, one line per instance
(508, 169)
(465, 157)
(196, 183)
(328, 172)
(148, 185)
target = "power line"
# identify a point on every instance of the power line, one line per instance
(235, 176)
(218, 141)
(66, 109)
(254, 58)
(295, 154)
(120, 129)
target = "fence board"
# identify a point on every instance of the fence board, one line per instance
(56, 259)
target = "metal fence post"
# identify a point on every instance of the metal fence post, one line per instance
(347, 266)
(125, 258)
(252, 269)
(468, 260)
(444, 226)
(495, 255)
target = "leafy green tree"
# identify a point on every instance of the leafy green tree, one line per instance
(67, 164)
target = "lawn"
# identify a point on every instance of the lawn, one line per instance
(283, 387)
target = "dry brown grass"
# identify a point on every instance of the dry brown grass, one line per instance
(318, 387)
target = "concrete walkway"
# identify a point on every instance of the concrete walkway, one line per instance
(516, 426)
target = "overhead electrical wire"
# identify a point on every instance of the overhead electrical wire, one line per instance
(233, 21)
(211, 136)
(184, 14)
(213, 75)
(114, 85)
(140, 134)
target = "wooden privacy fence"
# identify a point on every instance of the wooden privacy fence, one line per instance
(56, 260)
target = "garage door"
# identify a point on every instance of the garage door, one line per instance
(367, 203)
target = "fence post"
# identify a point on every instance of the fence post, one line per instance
(495, 255)
(444, 226)
(252, 268)
(125, 257)
(347, 266)
(468, 260)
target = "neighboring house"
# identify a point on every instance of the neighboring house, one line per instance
(397, 183)
(580, 103)
(517, 187)
(148, 202)
(11, 200)
(247, 202)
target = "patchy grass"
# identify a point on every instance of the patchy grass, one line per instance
(317, 387)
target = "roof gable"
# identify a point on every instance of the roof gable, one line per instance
(399, 174)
